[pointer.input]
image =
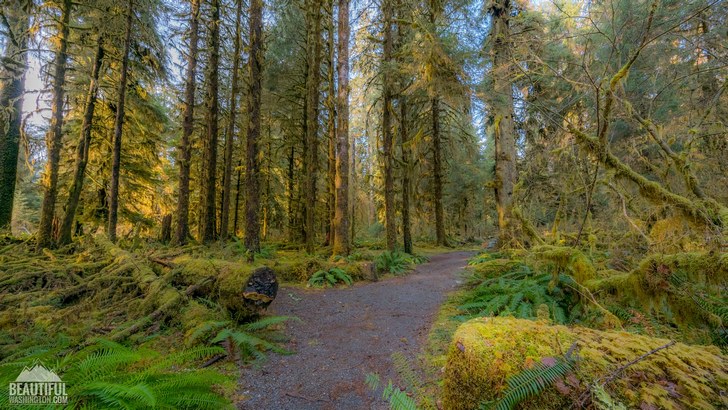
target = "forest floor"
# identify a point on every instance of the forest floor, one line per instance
(345, 333)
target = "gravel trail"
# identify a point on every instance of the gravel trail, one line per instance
(345, 333)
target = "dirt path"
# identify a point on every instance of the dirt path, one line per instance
(345, 333)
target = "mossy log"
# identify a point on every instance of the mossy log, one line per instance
(485, 352)
(244, 290)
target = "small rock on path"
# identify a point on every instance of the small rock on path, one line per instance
(346, 333)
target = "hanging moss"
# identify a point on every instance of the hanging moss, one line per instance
(485, 352)
(684, 289)
(563, 259)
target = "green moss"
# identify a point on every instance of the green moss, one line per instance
(484, 352)
(564, 259)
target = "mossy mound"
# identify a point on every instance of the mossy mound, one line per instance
(684, 289)
(485, 352)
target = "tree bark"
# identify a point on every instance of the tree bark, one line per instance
(83, 147)
(313, 81)
(210, 169)
(387, 136)
(502, 106)
(12, 72)
(331, 128)
(252, 175)
(406, 176)
(437, 173)
(185, 152)
(342, 244)
(229, 136)
(54, 139)
(118, 128)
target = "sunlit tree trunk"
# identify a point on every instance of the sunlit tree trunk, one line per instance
(229, 135)
(210, 168)
(342, 244)
(252, 172)
(118, 128)
(83, 147)
(406, 182)
(502, 106)
(185, 152)
(12, 87)
(387, 135)
(313, 81)
(54, 138)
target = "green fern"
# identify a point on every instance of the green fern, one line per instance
(398, 400)
(521, 297)
(330, 277)
(531, 382)
(112, 376)
(393, 262)
(246, 340)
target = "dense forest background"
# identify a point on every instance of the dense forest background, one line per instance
(165, 165)
(597, 122)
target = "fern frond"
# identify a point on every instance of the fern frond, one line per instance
(531, 382)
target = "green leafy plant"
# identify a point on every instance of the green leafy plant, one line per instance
(393, 262)
(112, 376)
(398, 399)
(244, 341)
(521, 297)
(531, 382)
(330, 277)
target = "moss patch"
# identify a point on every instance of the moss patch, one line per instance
(484, 352)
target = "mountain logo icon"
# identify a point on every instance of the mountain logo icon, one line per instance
(37, 373)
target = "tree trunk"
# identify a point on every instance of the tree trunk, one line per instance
(54, 139)
(331, 106)
(387, 136)
(237, 198)
(313, 80)
(342, 245)
(83, 146)
(118, 127)
(12, 88)
(502, 105)
(437, 173)
(229, 137)
(291, 194)
(252, 175)
(406, 174)
(210, 169)
(185, 152)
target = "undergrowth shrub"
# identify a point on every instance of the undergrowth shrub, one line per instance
(531, 297)
(109, 375)
(393, 262)
(330, 277)
(243, 342)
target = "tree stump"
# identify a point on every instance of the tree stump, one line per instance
(259, 292)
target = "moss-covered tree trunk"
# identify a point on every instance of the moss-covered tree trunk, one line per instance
(437, 173)
(387, 134)
(252, 170)
(230, 134)
(313, 80)
(209, 210)
(54, 138)
(12, 87)
(341, 216)
(82, 149)
(331, 128)
(502, 111)
(185, 153)
(118, 127)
